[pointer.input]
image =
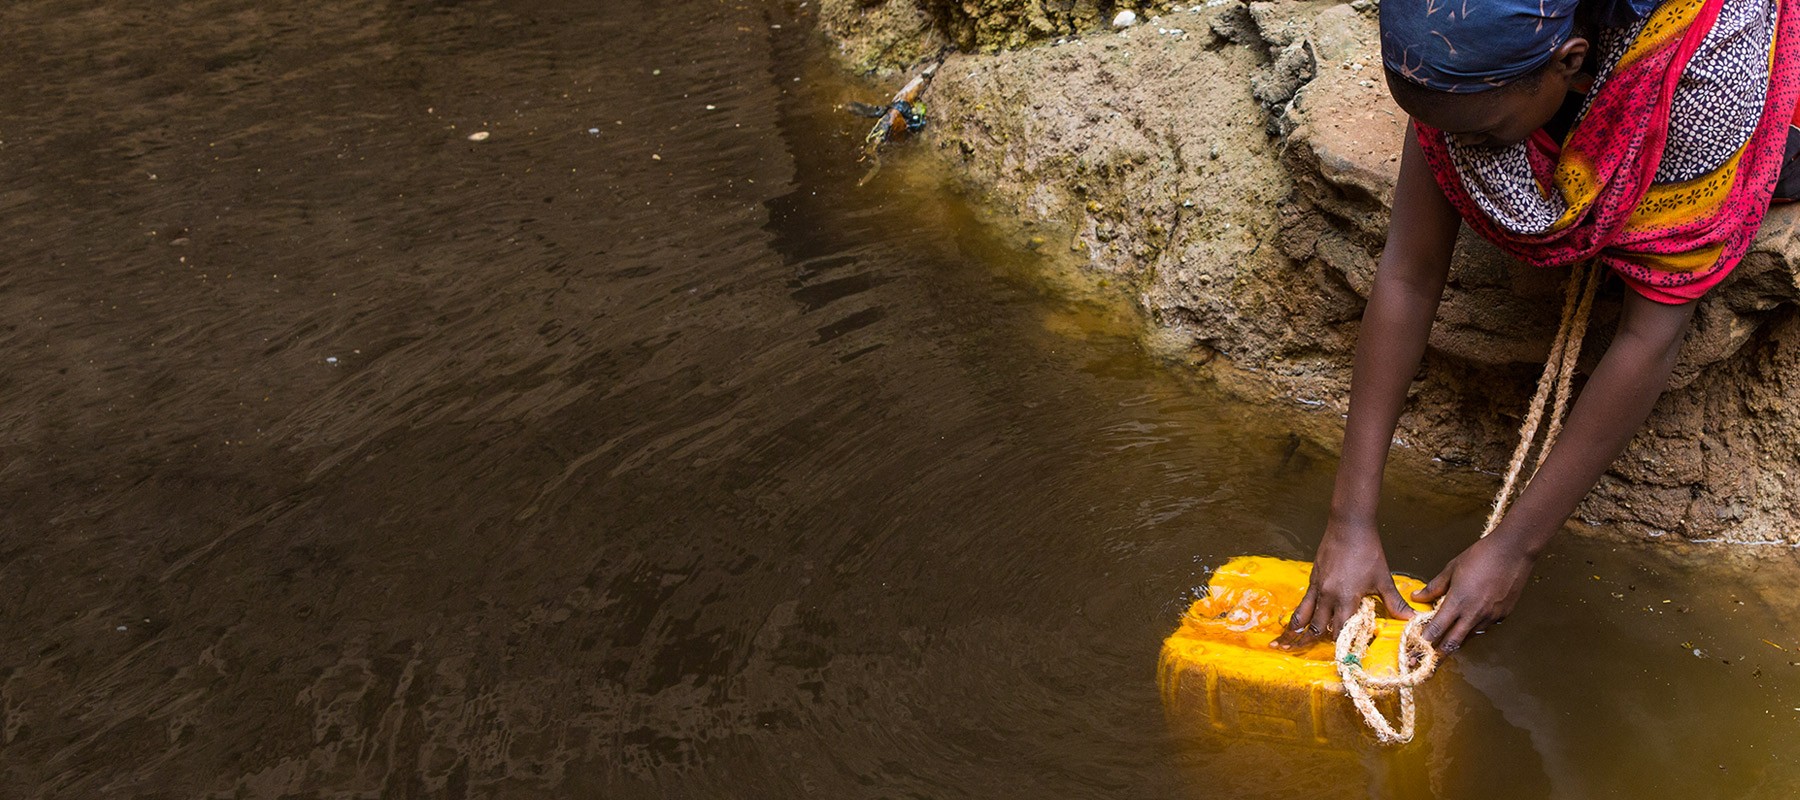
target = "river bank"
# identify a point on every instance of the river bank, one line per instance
(1229, 165)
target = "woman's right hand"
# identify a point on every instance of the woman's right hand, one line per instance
(1350, 565)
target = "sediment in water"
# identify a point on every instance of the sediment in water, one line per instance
(1232, 164)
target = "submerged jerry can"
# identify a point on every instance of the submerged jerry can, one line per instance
(1218, 670)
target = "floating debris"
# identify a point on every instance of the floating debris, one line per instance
(902, 116)
(479, 136)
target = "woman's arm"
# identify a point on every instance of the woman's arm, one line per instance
(1408, 283)
(1484, 582)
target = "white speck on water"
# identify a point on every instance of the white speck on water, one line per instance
(479, 136)
(594, 131)
(332, 360)
(711, 107)
(120, 628)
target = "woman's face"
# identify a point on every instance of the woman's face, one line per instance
(1497, 117)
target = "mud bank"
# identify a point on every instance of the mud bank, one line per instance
(1232, 164)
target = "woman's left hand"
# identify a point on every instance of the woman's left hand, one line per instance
(1480, 587)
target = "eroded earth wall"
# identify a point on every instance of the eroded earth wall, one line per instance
(1233, 163)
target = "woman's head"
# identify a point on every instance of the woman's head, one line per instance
(1487, 71)
(1501, 115)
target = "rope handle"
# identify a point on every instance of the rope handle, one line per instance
(1414, 663)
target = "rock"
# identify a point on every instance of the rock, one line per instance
(1234, 24)
(1293, 67)
(1124, 19)
(1279, 25)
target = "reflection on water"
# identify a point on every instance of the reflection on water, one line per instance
(633, 452)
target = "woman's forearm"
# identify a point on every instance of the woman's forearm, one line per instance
(1388, 349)
(1612, 407)
(1481, 585)
(1408, 284)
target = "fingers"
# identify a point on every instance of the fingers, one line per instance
(1464, 627)
(1296, 635)
(1323, 616)
(1320, 626)
(1340, 616)
(1451, 626)
(1326, 622)
(1318, 617)
(1396, 605)
(1439, 624)
(1303, 614)
(1434, 590)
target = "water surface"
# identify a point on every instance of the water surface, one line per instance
(633, 451)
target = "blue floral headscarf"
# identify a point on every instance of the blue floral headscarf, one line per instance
(1466, 46)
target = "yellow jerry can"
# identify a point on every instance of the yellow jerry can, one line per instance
(1218, 666)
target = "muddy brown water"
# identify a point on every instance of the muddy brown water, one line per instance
(634, 452)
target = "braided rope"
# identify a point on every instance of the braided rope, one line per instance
(1415, 662)
(1558, 375)
(1417, 659)
(1570, 339)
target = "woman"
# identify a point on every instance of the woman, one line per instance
(1653, 147)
